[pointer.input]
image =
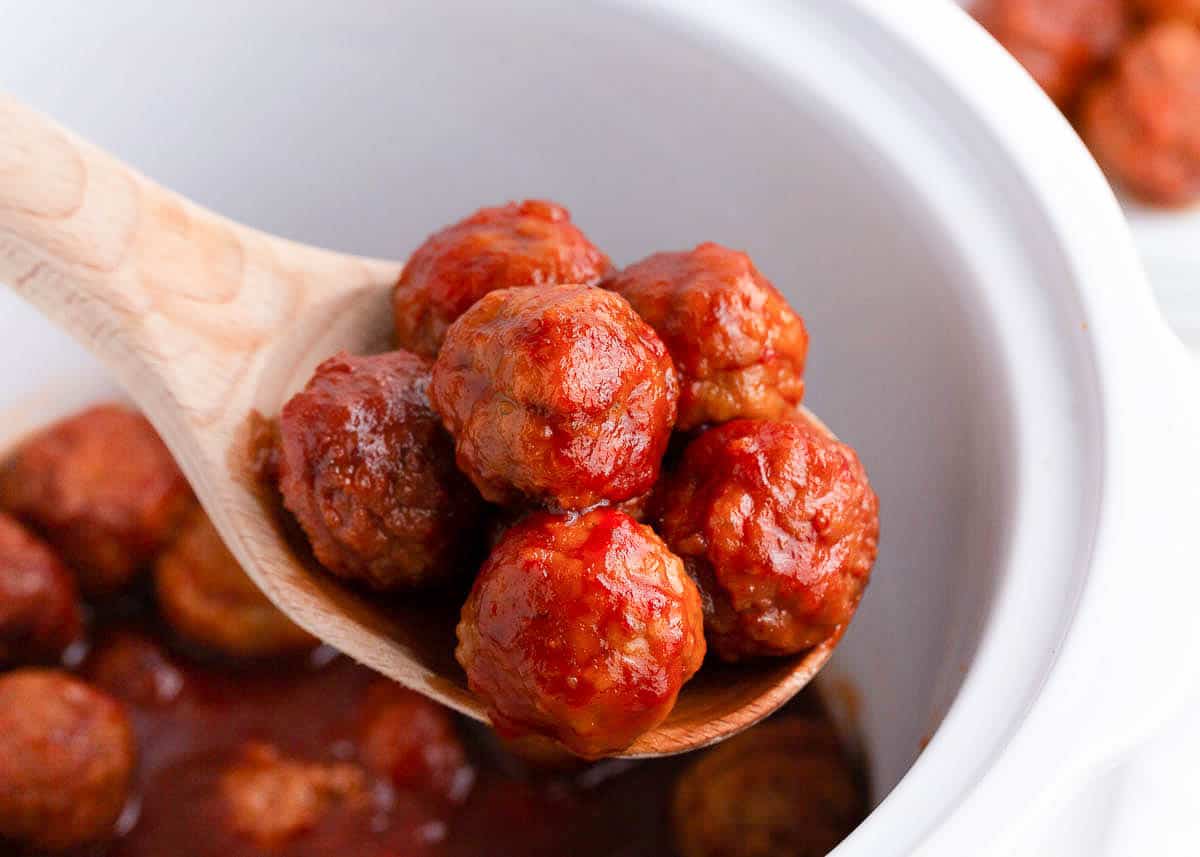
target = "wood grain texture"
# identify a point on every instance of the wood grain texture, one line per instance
(203, 321)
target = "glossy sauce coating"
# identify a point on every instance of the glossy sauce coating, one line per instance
(738, 348)
(1060, 42)
(369, 473)
(581, 629)
(207, 597)
(135, 669)
(66, 759)
(779, 527)
(1143, 121)
(197, 719)
(560, 396)
(39, 607)
(783, 788)
(272, 799)
(242, 757)
(102, 489)
(531, 243)
(413, 743)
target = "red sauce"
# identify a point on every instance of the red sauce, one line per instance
(193, 719)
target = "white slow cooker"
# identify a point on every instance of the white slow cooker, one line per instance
(981, 329)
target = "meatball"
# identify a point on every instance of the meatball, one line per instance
(413, 743)
(270, 798)
(136, 670)
(1184, 10)
(66, 760)
(531, 243)
(738, 348)
(1143, 121)
(369, 473)
(582, 629)
(1060, 42)
(39, 608)
(777, 524)
(783, 788)
(208, 599)
(559, 395)
(103, 489)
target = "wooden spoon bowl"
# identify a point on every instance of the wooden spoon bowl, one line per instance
(205, 322)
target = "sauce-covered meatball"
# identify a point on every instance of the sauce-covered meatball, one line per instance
(779, 527)
(413, 743)
(39, 608)
(66, 760)
(1060, 42)
(271, 799)
(103, 489)
(738, 348)
(786, 787)
(208, 599)
(1143, 121)
(1161, 10)
(559, 395)
(531, 243)
(136, 670)
(369, 473)
(582, 629)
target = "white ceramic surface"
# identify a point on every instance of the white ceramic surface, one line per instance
(980, 328)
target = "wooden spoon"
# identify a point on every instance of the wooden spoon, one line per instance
(205, 321)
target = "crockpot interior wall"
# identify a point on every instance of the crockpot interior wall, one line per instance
(365, 138)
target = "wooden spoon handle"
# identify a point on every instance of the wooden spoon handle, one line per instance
(165, 292)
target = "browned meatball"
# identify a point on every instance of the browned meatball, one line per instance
(209, 600)
(1183, 10)
(779, 527)
(532, 243)
(1060, 42)
(39, 608)
(783, 789)
(413, 743)
(1143, 122)
(738, 348)
(270, 798)
(136, 670)
(582, 629)
(66, 760)
(369, 473)
(559, 395)
(103, 489)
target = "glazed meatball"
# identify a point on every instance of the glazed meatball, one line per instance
(1060, 42)
(369, 473)
(559, 396)
(136, 670)
(531, 243)
(103, 489)
(413, 743)
(1158, 10)
(582, 629)
(209, 600)
(738, 348)
(39, 608)
(1143, 122)
(782, 789)
(270, 798)
(66, 760)
(779, 527)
